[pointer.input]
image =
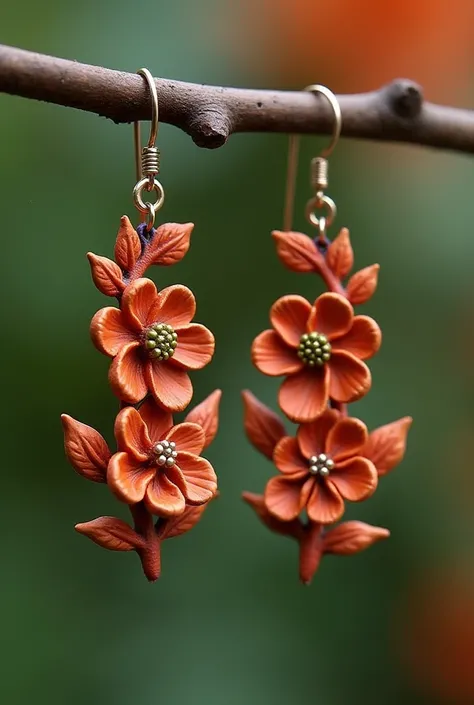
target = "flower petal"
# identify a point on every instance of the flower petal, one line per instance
(163, 498)
(109, 332)
(356, 478)
(306, 490)
(363, 340)
(174, 305)
(285, 528)
(287, 457)
(170, 386)
(126, 374)
(304, 396)
(273, 357)
(157, 420)
(350, 378)
(175, 475)
(312, 436)
(199, 476)
(137, 302)
(127, 478)
(195, 347)
(289, 317)
(346, 438)
(332, 314)
(131, 434)
(283, 498)
(325, 504)
(189, 437)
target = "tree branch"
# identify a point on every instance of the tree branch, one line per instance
(210, 114)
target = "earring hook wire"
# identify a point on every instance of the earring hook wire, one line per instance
(293, 151)
(147, 160)
(154, 122)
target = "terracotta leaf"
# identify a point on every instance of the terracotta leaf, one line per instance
(352, 537)
(111, 533)
(86, 450)
(169, 244)
(127, 245)
(262, 426)
(340, 257)
(176, 526)
(362, 284)
(311, 552)
(206, 415)
(286, 528)
(297, 251)
(107, 275)
(386, 445)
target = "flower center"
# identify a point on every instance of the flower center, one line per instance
(321, 465)
(314, 349)
(165, 453)
(160, 341)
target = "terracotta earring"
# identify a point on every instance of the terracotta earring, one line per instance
(157, 468)
(320, 348)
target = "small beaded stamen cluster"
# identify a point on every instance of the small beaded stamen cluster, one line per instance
(321, 465)
(166, 453)
(314, 349)
(161, 341)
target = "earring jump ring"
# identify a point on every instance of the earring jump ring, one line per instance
(142, 205)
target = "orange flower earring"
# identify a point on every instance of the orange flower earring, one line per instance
(157, 468)
(320, 349)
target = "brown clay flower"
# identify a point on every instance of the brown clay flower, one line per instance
(153, 343)
(320, 348)
(158, 462)
(321, 467)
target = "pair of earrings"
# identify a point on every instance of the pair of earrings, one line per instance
(320, 348)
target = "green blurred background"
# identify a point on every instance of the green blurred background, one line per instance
(229, 622)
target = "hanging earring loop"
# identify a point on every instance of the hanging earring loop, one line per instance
(147, 160)
(319, 168)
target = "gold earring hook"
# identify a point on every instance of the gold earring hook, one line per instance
(147, 160)
(334, 103)
(321, 165)
(154, 122)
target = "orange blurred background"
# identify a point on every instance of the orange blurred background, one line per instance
(358, 45)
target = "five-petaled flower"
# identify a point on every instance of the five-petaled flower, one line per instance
(321, 467)
(320, 348)
(158, 462)
(153, 343)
